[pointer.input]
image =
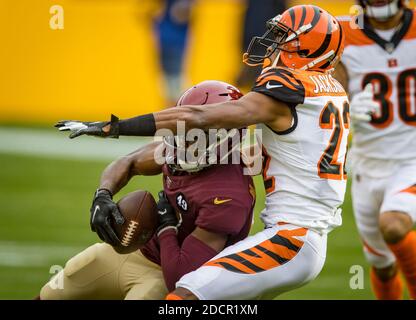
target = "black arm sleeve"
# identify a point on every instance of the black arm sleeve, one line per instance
(144, 126)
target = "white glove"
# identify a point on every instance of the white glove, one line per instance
(362, 105)
(99, 128)
(72, 126)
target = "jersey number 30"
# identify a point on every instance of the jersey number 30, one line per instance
(328, 166)
(383, 96)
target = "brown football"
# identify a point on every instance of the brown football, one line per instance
(140, 213)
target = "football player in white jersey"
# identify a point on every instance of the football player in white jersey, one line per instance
(304, 116)
(379, 69)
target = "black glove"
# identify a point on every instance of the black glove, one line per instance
(166, 214)
(105, 129)
(103, 209)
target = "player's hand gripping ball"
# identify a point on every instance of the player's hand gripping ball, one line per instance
(103, 211)
(131, 222)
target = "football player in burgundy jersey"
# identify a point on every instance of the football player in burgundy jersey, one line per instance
(215, 205)
(302, 113)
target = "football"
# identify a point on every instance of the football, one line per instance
(140, 213)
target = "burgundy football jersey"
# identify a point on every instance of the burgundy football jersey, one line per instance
(219, 199)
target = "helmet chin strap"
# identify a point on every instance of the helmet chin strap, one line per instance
(383, 13)
(275, 62)
(272, 65)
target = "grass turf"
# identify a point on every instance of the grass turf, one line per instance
(45, 220)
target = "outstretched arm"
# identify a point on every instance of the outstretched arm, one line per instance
(251, 109)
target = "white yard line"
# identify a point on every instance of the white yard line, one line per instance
(21, 254)
(54, 144)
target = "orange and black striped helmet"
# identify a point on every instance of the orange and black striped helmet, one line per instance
(305, 37)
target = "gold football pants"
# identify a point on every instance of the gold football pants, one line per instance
(99, 272)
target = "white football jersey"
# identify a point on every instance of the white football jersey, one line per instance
(304, 166)
(391, 67)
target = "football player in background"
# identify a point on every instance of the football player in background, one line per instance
(254, 18)
(379, 69)
(215, 212)
(303, 113)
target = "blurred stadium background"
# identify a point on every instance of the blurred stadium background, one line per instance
(107, 59)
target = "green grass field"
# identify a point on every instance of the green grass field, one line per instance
(44, 221)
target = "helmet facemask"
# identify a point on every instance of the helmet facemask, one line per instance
(203, 149)
(278, 37)
(193, 150)
(179, 155)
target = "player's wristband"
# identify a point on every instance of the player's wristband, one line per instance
(99, 190)
(144, 126)
(159, 232)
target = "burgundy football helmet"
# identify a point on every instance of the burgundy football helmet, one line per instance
(204, 93)
(208, 92)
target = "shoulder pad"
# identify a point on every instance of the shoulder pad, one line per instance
(281, 84)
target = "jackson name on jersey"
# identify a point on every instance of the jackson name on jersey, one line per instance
(391, 67)
(304, 166)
